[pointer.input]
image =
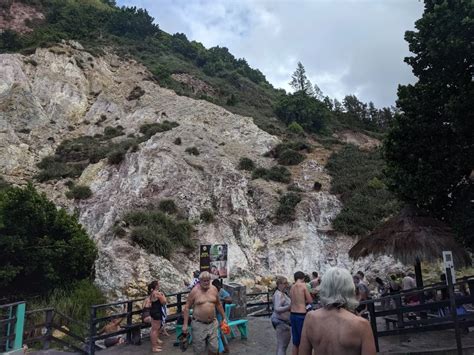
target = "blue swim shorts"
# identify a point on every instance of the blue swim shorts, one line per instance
(297, 320)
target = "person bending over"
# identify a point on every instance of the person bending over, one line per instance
(334, 329)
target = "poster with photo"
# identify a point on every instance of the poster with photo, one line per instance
(213, 258)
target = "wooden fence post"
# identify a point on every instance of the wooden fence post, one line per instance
(49, 313)
(178, 301)
(92, 331)
(452, 303)
(398, 305)
(373, 324)
(129, 321)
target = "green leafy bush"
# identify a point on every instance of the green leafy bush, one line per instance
(246, 164)
(116, 156)
(159, 233)
(290, 157)
(167, 206)
(79, 192)
(192, 151)
(286, 209)
(357, 176)
(307, 111)
(294, 188)
(42, 247)
(150, 129)
(295, 128)
(177, 141)
(207, 216)
(275, 173)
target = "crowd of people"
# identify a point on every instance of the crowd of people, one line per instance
(320, 314)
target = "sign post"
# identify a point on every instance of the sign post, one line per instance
(213, 258)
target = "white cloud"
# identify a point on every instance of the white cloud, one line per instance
(346, 46)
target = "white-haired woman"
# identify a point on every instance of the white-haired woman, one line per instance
(281, 315)
(334, 329)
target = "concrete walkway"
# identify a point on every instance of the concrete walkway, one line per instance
(262, 342)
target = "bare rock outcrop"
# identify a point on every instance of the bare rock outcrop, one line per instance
(64, 92)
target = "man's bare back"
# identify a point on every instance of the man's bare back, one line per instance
(336, 331)
(300, 296)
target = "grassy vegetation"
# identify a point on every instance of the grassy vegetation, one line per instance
(246, 164)
(286, 209)
(159, 233)
(74, 301)
(358, 179)
(72, 156)
(79, 192)
(207, 216)
(275, 173)
(192, 151)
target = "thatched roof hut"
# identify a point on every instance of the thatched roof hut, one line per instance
(411, 237)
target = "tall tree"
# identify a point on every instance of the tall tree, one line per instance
(300, 82)
(430, 149)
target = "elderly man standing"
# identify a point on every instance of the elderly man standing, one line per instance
(204, 300)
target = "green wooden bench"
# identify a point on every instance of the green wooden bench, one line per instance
(241, 324)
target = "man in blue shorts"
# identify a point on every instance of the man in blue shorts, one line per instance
(300, 297)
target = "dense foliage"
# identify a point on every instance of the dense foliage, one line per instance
(357, 176)
(158, 232)
(430, 149)
(41, 247)
(286, 210)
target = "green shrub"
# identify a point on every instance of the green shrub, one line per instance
(136, 93)
(207, 216)
(376, 184)
(290, 157)
(42, 246)
(112, 132)
(159, 233)
(275, 173)
(294, 188)
(295, 128)
(286, 209)
(150, 129)
(177, 141)
(279, 173)
(246, 164)
(79, 192)
(192, 151)
(357, 176)
(259, 173)
(75, 301)
(167, 206)
(116, 156)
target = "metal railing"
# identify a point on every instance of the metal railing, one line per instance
(12, 320)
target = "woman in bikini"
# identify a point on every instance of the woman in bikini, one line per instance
(153, 313)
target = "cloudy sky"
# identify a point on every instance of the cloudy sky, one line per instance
(347, 46)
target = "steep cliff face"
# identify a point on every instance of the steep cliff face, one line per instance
(64, 92)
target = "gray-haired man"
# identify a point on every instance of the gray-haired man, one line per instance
(204, 299)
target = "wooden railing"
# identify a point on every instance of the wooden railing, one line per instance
(259, 304)
(424, 315)
(128, 309)
(47, 326)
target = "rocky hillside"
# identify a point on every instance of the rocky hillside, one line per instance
(64, 92)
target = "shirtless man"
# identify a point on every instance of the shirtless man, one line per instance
(333, 329)
(204, 299)
(300, 297)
